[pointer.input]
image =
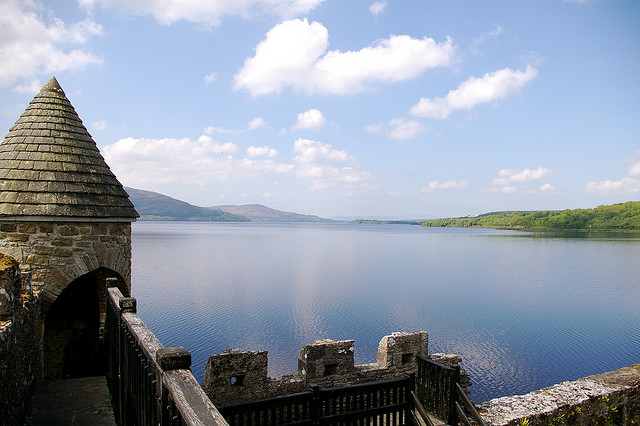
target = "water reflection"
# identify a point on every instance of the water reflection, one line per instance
(522, 310)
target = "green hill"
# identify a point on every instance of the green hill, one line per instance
(153, 206)
(623, 217)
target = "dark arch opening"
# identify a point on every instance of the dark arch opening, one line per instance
(74, 326)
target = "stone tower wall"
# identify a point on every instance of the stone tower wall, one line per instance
(20, 342)
(56, 253)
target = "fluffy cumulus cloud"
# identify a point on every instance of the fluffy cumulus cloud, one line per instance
(399, 128)
(326, 168)
(207, 12)
(405, 129)
(445, 186)
(377, 8)
(312, 119)
(474, 91)
(156, 163)
(255, 124)
(310, 152)
(261, 151)
(149, 162)
(33, 43)
(294, 54)
(511, 181)
(626, 185)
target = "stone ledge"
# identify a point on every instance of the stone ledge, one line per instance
(612, 397)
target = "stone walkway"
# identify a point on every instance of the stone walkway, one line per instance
(83, 401)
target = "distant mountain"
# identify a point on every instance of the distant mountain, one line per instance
(260, 213)
(154, 206)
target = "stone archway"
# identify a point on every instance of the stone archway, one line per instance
(74, 326)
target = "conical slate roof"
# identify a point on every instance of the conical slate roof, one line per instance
(51, 168)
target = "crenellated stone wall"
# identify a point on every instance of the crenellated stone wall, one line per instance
(56, 253)
(236, 376)
(20, 341)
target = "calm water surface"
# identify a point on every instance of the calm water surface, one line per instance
(524, 311)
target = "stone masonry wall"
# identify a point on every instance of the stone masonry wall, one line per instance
(20, 341)
(236, 376)
(611, 398)
(56, 253)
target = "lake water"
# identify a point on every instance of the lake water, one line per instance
(524, 311)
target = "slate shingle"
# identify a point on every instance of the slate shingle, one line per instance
(51, 166)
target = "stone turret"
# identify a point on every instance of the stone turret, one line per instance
(64, 217)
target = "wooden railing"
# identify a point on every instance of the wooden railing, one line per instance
(438, 392)
(386, 402)
(149, 384)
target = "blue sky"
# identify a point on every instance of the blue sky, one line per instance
(388, 109)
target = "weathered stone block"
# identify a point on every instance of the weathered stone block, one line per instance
(67, 231)
(399, 349)
(20, 238)
(28, 228)
(326, 358)
(236, 376)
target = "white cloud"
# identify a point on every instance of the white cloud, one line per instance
(33, 45)
(33, 86)
(159, 163)
(312, 152)
(312, 119)
(512, 181)
(152, 162)
(319, 164)
(99, 125)
(405, 129)
(208, 12)
(254, 124)
(261, 151)
(447, 185)
(626, 185)
(508, 176)
(210, 78)
(257, 123)
(477, 41)
(634, 170)
(377, 8)
(490, 87)
(294, 54)
(373, 128)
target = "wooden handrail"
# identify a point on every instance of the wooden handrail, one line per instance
(469, 406)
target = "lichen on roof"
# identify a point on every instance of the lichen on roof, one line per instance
(51, 167)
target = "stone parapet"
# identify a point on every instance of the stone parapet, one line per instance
(236, 376)
(608, 398)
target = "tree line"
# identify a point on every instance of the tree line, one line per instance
(622, 216)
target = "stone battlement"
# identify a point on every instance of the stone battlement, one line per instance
(237, 376)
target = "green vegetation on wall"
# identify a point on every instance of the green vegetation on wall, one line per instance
(623, 216)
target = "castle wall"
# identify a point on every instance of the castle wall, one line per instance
(236, 376)
(56, 253)
(20, 341)
(611, 398)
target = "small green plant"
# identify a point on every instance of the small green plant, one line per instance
(557, 419)
(524, 422)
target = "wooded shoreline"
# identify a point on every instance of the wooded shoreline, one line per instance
(623, 217)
